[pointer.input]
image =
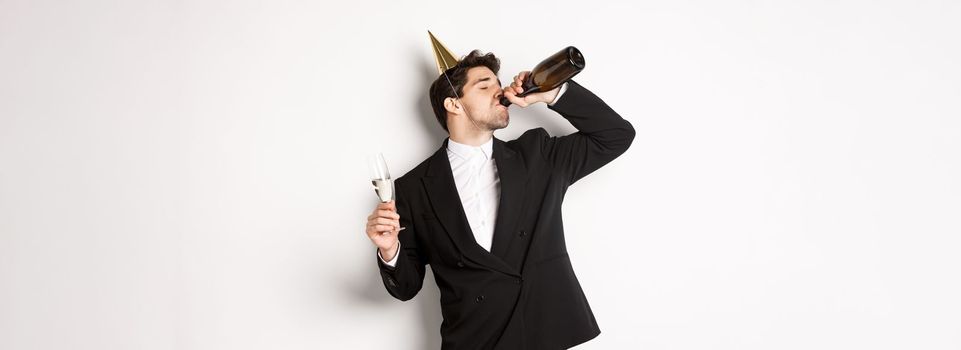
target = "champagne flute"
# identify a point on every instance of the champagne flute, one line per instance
(380, 178)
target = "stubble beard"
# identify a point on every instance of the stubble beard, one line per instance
(495, 120)
(499, 120)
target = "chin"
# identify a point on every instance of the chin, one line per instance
(500, 120)
(507, 121)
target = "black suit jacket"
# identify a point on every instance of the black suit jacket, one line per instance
(523, 293)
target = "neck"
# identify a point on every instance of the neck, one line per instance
(471, 137)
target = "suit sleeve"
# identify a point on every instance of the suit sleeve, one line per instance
(404, 280)
(602, 134)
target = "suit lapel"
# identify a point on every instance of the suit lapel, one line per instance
(513, 177)
(446, 203)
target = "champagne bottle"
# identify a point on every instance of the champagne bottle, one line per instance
(551, 72)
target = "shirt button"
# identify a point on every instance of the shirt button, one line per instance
(480, 299)
(460, 264)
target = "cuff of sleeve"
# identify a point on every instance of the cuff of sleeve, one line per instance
(559, 93)
(392, 262)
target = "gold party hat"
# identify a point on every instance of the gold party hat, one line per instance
(445, 59)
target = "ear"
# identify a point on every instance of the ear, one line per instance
(452, 105)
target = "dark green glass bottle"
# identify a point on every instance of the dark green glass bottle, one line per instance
(552, 72)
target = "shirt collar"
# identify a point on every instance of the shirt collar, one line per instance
(464, 151)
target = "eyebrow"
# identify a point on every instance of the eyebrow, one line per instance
(481, 80)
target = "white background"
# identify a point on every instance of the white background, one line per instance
(190, 174)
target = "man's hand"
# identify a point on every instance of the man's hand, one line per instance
(515, 88)
(383, 225)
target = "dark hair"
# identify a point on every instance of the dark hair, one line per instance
(441, 88)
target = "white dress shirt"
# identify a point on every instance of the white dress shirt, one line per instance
(478, 185)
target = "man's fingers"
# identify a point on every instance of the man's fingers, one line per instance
(383, 214)
(511, 95)
(388, 214)
(519, 79)
(509, 92)
(385, 206)
(518, 84)
(379, 228)
(386, 221)
(383, 221)
(515, 100)
(384, 228)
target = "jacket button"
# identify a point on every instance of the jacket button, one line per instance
(460, 264)
(480, 299)
(522, 233)
(518, 280)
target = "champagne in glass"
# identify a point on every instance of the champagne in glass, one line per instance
(380, 178)
(384, 189)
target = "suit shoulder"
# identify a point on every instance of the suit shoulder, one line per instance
(413, 175)
(531, 137)
(531, 142)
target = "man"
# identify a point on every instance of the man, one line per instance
(485, 214)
